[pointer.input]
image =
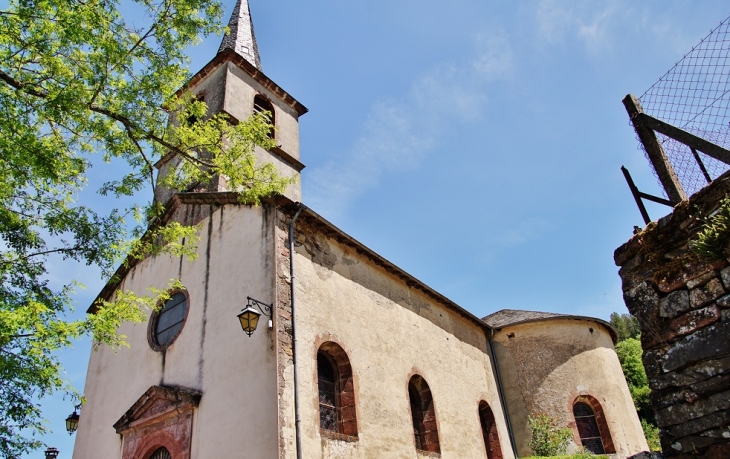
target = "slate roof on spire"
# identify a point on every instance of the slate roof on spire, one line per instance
(241, 38)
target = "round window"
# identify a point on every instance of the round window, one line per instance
(168, 321)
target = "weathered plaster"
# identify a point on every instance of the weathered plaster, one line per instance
(390, 331)
(236, 374)
(545, 365)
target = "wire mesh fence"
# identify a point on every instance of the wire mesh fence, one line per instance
(694, 95)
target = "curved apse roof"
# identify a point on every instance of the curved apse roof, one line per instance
(509, 317)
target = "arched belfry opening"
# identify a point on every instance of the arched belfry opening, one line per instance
(263, 106)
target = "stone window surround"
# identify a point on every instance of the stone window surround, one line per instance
(600, 420)
(153, 320)
(347, 422)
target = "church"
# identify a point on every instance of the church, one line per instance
(291, 339)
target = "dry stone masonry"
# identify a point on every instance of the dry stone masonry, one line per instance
(683, 306)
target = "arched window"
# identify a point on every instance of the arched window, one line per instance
(489, 430)
(161, 453)
(417, 416)
(263, 106)
(425, 431)
(592, 426)
(336, 391)
(328, 394)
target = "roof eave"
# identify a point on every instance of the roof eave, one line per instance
(229, 55)
(612, 331)
(379, 260)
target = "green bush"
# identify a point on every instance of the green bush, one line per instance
(547, 438)
(651, 432)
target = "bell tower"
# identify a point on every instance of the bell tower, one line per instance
(233, 83)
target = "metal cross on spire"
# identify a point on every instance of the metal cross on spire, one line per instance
(240, 37)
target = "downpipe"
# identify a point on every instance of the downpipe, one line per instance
(297, 417)
(500, 389)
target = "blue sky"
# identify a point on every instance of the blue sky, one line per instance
(475, 144)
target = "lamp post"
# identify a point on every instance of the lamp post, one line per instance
(249, 316)
(72, 421)
(51, 453)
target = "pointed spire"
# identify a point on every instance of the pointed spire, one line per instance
(241, 38)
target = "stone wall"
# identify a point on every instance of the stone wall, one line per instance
(683, 306)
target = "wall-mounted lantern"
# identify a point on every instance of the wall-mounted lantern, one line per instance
(72, 421)
(249, 316)
(51, 453)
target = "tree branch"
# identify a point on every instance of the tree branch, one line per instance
(150, 166)
(44, 252)
(126, 122)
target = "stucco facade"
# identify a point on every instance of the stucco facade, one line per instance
(391, 328)
(238, 383)
(387, 367)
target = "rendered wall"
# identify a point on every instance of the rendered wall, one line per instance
(240, 91)
(236, 374)
(390, 332)
(683, 307)
(546, 365)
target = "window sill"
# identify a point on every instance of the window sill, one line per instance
(337, 436)
(422, 453)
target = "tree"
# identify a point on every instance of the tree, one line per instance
(80, 83)
(626, 325)
(629, 354)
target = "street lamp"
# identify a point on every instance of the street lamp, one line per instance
(249, 316)
(72, 421)
(51, 453)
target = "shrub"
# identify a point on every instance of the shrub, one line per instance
(547, 438)
(712, 241)
(651, 432)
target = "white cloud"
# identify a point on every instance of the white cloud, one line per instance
(597, 25)
(553, 19)
(400, 132)
(558, 20)
(494, 59)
